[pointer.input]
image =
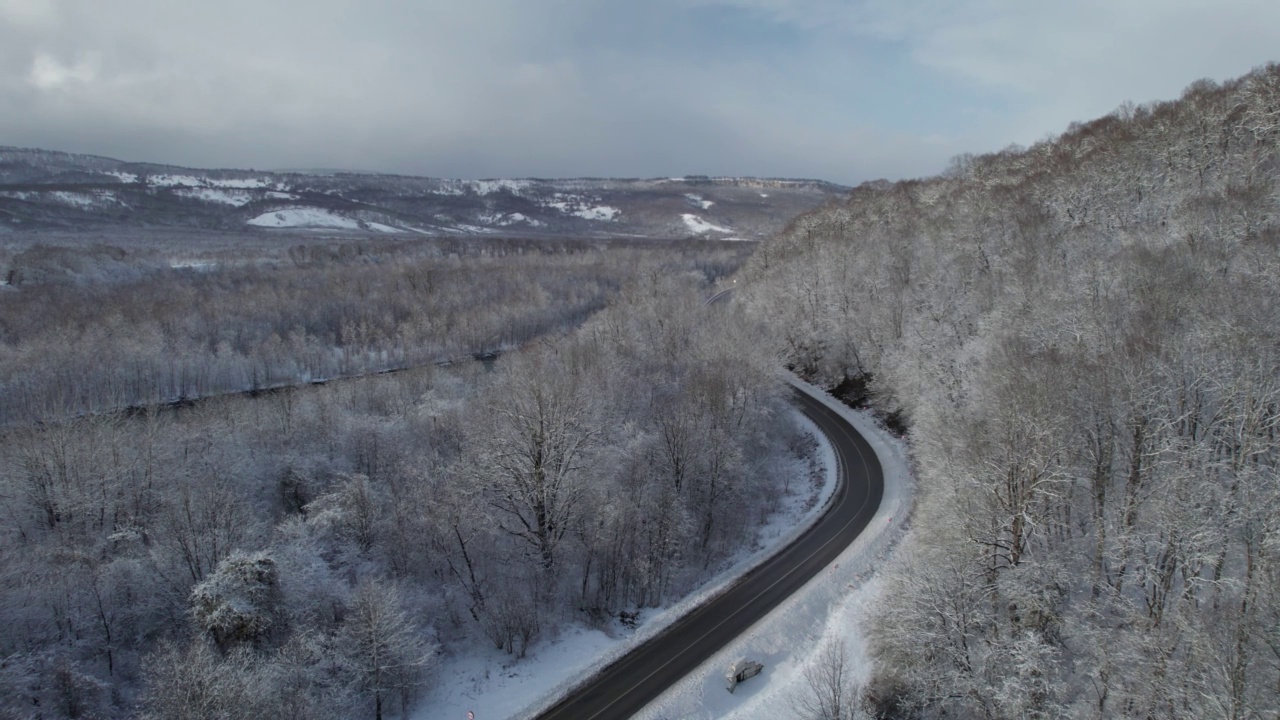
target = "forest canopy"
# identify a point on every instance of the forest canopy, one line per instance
(1082, 338)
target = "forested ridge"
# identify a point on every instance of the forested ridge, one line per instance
(316, 550)
(1081, 337)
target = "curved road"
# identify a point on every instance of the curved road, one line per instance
(623, 688)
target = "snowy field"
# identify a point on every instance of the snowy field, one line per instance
(494, 685)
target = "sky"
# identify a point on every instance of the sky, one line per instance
(840, 90)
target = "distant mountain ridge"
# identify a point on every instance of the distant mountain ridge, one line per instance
(52, 190)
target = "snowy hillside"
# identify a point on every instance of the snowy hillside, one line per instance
(42, 190)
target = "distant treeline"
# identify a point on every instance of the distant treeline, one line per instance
(86, 330)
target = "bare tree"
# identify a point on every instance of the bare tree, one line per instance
(830, 692)
(534, 454)
(387, 655)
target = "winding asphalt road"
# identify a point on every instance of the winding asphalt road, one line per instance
(623, 688)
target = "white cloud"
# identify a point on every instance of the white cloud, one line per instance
(28, 13)
(562, 87)
(49, 73)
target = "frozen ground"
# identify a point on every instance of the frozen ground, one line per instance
(495, 686)
(829, 607)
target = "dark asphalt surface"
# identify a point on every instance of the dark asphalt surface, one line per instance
(626, 686)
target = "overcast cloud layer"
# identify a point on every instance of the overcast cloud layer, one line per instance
(834, 89)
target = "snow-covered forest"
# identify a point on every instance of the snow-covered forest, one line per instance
(105, 327)
(239, 481)
(1081, 337)
(314, 550)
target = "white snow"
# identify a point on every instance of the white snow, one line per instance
(173, 180)
(764, 195)
(829, 608)
(304, 217)
(509, 219)
(164, 180)
(600, 212)
(488, 187)
(84, 200)
(451, 188)
(77, 199)
(514, 218)
(697, 200)
(495, 685)
(578, 208)
(310, 217)
(123, 177)
(281, 195)
(698, 226)
(239, 183)
(192, 264)
(235, 198)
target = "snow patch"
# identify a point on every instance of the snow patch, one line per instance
(576, 206)
(600, 212)
(166, 180)
(471, 229)
(304, 217)
(173, 180)
(698, 226)
(698, 201)
(451, 189)
(77, 199)
(124, 177)
(764, 195)
(240, 183)
(514, 218)
(235, 198)
(509, 219)
(488, 187)
(189, 264)
(83, 200)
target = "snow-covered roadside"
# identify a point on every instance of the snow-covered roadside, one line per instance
(494, 685)
(829, 607)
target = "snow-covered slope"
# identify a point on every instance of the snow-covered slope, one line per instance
(698, 226)
(42, 189)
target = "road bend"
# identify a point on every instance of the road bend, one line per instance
(621, 689)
